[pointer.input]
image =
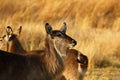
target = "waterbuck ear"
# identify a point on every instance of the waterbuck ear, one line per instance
(18, 30)
(9, 30)
(48, 28)
(1, 38)
(64, 28)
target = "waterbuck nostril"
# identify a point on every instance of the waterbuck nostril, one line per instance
(74, 42)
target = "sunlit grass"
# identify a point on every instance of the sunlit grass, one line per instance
(103, 74)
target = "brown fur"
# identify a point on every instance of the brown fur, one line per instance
(10, 42)
(3, 44)
(37, 65)
(72, 63)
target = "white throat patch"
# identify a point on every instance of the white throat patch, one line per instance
(62, 55)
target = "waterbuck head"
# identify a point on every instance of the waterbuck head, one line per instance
(9, 38)
(75, 65)
(10, 35)
(61, 41)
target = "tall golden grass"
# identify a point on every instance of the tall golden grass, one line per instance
(94, 24)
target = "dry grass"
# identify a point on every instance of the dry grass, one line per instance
(103, 74)
(100, 46)
(94, 24)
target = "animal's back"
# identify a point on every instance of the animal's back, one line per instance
(18, 67)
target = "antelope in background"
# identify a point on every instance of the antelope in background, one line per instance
(38, 65)
(75, 65)
(10, 41)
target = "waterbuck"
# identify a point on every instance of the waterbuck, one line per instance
(10, 41)
(38, 65)
(75, 65)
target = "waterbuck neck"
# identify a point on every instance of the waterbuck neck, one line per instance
(14, 46)
(52, 57)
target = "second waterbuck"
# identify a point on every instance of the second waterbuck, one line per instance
(10, 41)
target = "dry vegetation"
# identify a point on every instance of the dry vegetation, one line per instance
(94, 24)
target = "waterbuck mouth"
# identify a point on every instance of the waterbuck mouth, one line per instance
(74, 43)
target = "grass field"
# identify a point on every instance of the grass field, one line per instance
(103, 74)
(94, 24)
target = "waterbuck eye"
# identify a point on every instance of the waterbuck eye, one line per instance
(59, 34)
